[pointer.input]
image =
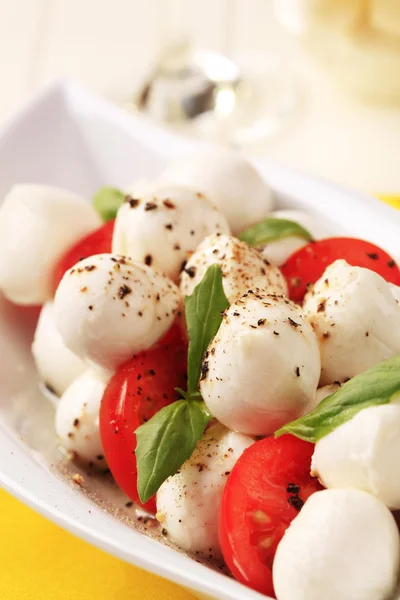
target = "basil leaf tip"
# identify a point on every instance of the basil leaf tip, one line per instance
(272, 229)
(166, 441)
(203, 311)
(374, 387)
(107, 201)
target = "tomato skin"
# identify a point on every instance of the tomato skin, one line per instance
(138, 389)
(257, 507)
(97, 242)
(307, 264)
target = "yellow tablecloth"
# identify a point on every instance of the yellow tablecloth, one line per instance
(41, 561)
(392, 199)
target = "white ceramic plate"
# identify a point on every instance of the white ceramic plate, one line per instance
(70, 138)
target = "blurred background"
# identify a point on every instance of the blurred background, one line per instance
(327, 71)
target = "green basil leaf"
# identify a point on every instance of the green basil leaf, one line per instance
(376, 386)
(272, 229)
(203, 311)
(107, 202)
(166, 441)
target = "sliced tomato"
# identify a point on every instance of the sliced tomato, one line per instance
(264, 492)
(309, 262)
(140, 388)
(97, 242)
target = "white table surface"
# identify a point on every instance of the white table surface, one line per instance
(107, 45)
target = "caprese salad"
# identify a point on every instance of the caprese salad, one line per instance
(237, 369)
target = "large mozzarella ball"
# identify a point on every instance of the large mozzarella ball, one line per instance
(242, 268)
(161, 228)
(229, 180)
(108, 308)
(263, 366)
(38, 223)
(278, 252)
(188, 503)
(58, 367)
(77, 418)
(355, 316)
(344, 545)
(363, 453)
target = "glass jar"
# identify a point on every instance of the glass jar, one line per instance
(356, 41)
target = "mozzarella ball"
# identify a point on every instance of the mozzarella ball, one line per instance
(188, 503)
(279, 251)
(108, 308)
(363, 453)
(58, 367)
(262, 368)
(343, 545)
(229, 181)
(242, 268)
(38, 223)
(161, 228)
(77, 418)
(354, 314)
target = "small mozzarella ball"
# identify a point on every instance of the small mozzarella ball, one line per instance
(108, 308)
(242, 268)
(343, 545)
(188, 503)
(279, 251)
(77, 418)
(262, 368)
(161, 228)
(363, 453)
(229, 181)
(38, 223)
(58, 367)
(354, 314)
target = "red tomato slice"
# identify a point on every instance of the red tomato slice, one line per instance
(263, 494)
(97, 242)
(308, 264)
(140, 388)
